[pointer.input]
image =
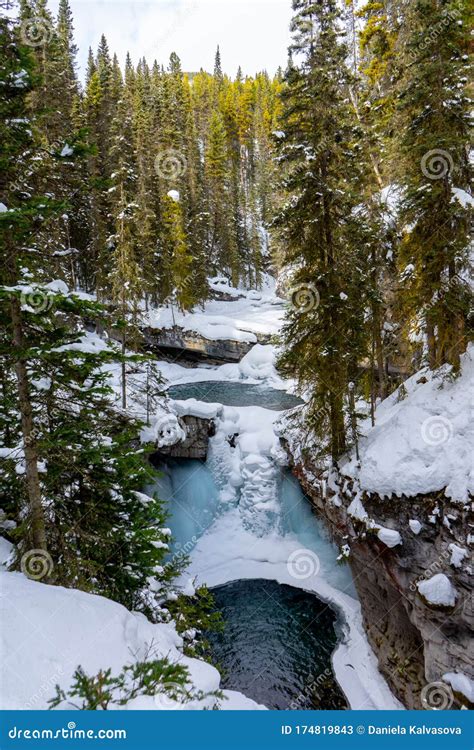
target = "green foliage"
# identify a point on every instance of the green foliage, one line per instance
(430, 156)
(324, 336)
(103, 536)
(195, 615)
(159, 678)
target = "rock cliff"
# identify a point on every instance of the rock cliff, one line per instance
(416, 641)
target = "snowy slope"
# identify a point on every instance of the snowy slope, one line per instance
(48, 631)
(422, 442)
(251, 313)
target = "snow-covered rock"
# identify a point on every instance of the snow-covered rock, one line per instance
(415, 526)
(460, 683)
(167, 429)
(389, 537)
(193, 408)
(438, 590)
(457, 555)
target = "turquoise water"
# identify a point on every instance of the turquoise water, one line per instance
(188, 488)
(235, 394)
(276, 646)
(192, 498)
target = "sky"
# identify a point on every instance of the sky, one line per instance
(251, 33)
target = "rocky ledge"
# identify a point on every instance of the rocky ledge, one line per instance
(424, 646)
(183, 429)
(194, 444)
(189, 346)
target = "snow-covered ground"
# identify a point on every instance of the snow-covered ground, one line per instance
(48, 631)
(250, 313)
(423, 438)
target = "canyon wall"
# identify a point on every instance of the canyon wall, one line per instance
(416, 642)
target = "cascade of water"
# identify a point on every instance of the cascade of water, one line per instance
(245, 473)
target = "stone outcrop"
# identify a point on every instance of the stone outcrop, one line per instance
(415, 642)
(182, 346)
(198, 430)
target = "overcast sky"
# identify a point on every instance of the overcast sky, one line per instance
(252, 33)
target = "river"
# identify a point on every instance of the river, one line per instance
(278, 640)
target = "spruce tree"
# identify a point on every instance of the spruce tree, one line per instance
(431, 162)
(323, 336)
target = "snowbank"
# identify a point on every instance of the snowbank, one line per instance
(422, 442)
(460, 683)
(48, 631)
(250, 313)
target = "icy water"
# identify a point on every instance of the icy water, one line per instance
(236, 394)
(277, 643)
(276, 646)
(191, 495)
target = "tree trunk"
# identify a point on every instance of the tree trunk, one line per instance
(124, 372)
(38, 530)
(373, 160)
(338, 433)
(378, 346)
(431, 341)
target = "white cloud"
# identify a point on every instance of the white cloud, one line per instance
(252, 33)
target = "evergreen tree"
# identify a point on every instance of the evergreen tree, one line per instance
(125, 279)
(432, 118)
(218, 76)
(323, 336)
